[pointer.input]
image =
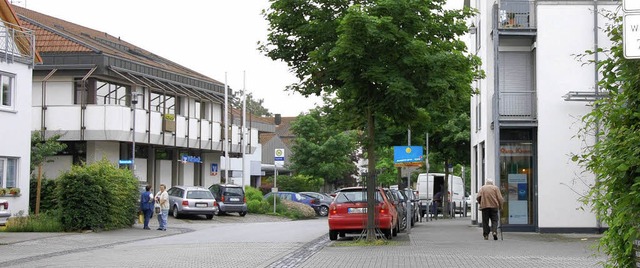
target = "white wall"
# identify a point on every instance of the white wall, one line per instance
(56, 165)
(560, 180)
(96, 150)
(16, 133)
(163, 172)
(59, 91)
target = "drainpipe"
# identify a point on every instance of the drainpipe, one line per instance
(496, 97)
(595, 83)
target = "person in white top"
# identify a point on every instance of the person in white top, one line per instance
(162, 201)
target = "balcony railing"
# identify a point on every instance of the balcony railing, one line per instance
(114, 122)
(517, 15)
(17, 44)
(520, 105)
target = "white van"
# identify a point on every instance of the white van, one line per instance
(427, 189)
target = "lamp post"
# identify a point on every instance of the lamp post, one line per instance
(134, 101)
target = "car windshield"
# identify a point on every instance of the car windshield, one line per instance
(233, 191)
(355, 196)
(199, 195)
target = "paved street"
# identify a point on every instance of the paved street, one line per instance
(263, 241)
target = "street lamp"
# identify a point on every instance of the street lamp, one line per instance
(134, 101)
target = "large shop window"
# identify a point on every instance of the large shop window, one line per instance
(8, 172)
(516, 176)
(7, 92)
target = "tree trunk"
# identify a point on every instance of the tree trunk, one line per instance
(445, 191)
(371, 178)
(38, 189)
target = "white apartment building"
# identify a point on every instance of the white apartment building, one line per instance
(110, 99)
(528, 111)
(17, 58)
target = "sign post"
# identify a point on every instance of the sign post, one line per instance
(278, 160)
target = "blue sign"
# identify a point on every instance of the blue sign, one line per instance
(279, 159)
(125, 162)
(407, 154)
(191, 159)
(214, 169)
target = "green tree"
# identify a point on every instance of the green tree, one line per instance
(615, 121)
(322, 151)
(254, 106)
(379, 58)
(42, 148)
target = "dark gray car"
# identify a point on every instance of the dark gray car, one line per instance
(325, 202)
(230, 198)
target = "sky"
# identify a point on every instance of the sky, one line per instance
(213, 37)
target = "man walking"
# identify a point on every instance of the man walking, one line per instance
(490, 200)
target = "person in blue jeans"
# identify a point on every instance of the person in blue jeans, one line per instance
(146, 206)
(162, 200)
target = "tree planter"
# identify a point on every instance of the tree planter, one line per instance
(168, 125)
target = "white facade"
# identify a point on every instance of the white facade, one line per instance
(540, 45)
(15, 115)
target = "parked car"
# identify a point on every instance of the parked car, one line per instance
(4, 212)
(229, 198)
(325, 202)
(415, 205)
(401, 206)
(348, 213)
(192, 200)
(297, 197)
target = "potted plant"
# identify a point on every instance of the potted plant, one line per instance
(169, 123)
(14, 191)
(3, 191)
(512, 19)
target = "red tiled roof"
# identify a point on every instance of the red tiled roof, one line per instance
(8, 14)
(57, 36)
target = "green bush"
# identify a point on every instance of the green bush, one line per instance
(48, 221)
(258, 207)
(97, 196)
(252, 194)
(299, 183)
(48, 200)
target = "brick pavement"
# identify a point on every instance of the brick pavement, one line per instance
(442, 243)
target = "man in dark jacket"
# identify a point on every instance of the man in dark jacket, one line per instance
(490, 200)
(146, 206)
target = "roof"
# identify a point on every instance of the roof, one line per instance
(8, 14)
(64, 43)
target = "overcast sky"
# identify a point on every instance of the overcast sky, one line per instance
(212, 37)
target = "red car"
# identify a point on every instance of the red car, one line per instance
(348, 213)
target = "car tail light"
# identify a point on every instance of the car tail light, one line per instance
(185, 203)
(333, 209)
(244, 199)
(215, 204)
(383, 209)
(6, 205)
(222, 198)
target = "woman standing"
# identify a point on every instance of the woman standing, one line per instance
(162, 200)
(146, 206)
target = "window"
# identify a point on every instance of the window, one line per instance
(8, 172)
(7, 91)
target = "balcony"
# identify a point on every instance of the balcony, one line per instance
(520, 105)
(516, 15)
(17, 44)
(115, 123)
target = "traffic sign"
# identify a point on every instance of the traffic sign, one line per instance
(631, 5)
(279, 157)
(631, 35)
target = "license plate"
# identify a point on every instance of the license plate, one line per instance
(357, 210)
(201, 205)
(234, 199)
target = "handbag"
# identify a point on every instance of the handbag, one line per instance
(140, 217)
(157, 210)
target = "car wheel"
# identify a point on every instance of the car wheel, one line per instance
(397, 230)
(388, 233)
(175, 212)
(333, 235)
(242, 214)
(342, 234)
(209, 216)
(323, 211)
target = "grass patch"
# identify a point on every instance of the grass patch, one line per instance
(45, 222)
